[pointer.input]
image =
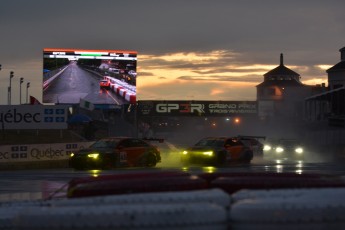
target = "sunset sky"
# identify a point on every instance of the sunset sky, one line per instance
(187, 49)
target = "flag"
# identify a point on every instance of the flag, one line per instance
(34, 101)
(86, 104)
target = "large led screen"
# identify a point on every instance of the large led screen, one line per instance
(94, 77)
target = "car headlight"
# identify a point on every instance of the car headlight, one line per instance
(279, 149)
(71, 155)
(185, 152)
(93, 155)
(267, 148)
(208, 153)
(299, 150)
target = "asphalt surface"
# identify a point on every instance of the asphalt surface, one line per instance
(74, 84)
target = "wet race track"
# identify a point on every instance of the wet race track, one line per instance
(31, 184)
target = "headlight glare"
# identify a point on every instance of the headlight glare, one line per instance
(267, 148)
(185, 152)
(279, 149)
(208, 153)
(299, 150)
(93, 155)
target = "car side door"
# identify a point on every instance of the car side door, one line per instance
(131, 150)
(235, 147)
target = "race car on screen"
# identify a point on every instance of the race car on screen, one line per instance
(218, 151)
(115, 152)
(104, 84)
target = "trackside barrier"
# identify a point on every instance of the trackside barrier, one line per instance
(126, 91)
(203, 209)
(314, 193)
(211, 176)
(306, 209)
(87, 180)
(181, 181)
(233, 182)
(138, 185)
(160, 216)
(213, 196)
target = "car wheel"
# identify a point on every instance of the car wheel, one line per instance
(247, 156)
(149, 160)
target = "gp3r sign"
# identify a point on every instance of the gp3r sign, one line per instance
(200, 108)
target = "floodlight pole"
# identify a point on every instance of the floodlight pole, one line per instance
(10, 87)
(27, 91)
(20, 90)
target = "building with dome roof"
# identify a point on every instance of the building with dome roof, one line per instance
(282, 93)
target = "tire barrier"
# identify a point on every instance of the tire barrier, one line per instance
(317, 193)
(138, 185)
(233, 182)
(134, 217)
(128, 176)
(214, 196)
(211, 176)
(203, 209)
(91, 179)
(135, 183)
(179, 181)
(306, 209)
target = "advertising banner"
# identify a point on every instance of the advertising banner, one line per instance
(39, 152)
(33, 117)
(198, 108)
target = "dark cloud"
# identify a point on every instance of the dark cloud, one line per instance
(159, 27)
(143, 74)
(251, 78)
(308, 32)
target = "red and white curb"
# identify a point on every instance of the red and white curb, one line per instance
(126, 91)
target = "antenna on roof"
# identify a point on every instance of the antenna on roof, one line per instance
(281, 59)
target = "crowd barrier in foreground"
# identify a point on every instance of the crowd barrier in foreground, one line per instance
(312, 209)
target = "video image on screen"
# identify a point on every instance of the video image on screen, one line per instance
(106, 77)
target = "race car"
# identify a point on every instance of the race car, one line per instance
(104, 84)
(217, 151)
(284, 149)
(254, 144)
(115, 152)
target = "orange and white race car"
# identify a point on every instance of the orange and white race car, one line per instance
(104, 84)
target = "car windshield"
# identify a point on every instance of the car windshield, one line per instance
(289, 142)
(210, 142)
(106, 143)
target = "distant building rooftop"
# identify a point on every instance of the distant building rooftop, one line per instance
(281, 70)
